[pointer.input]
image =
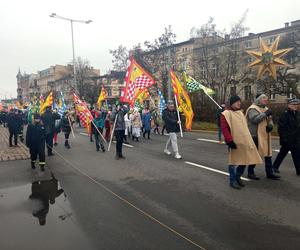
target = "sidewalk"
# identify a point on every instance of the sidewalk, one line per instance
(11, 153)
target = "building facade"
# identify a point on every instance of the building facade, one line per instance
(222, 62)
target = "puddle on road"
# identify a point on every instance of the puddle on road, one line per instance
(39, 214)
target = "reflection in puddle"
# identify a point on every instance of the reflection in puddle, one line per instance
(23, 208)
(44, 192)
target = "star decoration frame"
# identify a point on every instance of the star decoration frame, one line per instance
(268, 58)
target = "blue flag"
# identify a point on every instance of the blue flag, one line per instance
(162, 102)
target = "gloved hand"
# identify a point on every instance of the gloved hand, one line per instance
(269, 128)
(232, 145)
(268, 112)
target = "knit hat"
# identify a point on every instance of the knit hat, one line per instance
(233, 99)
(294, 101)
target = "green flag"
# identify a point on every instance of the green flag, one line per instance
(192, 85)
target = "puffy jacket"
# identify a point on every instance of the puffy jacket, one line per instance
(35, 136)
(65, 125)
(171, 121)
(48, 122)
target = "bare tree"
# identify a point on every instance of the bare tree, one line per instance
(217, 57)
(120, 58)
(87, 87)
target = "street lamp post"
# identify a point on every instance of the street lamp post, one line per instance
(54, 15)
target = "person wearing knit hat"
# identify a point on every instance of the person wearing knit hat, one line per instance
(289, 133)
(242, 150)
(35, 141)
(259, 118)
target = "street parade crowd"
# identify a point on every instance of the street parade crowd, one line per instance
(247, 134)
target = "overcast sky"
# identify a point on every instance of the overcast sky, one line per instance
(33, 41)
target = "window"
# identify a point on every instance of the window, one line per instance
(203, 72)
(247, 93)
(271, 39)
(214, 70)
(248, 44)
(184, 65)
(290, 94)
(109, 92)
(248, 60)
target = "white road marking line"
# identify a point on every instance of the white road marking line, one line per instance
(214, 141)
(277, 150)
(207, 140)
(126, 145)
(211, 169)
(84, 133)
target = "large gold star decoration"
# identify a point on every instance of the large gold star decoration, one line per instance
(268, 58)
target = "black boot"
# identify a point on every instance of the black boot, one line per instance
(253, 177)
(273, 177)
(32, 165)
(240, 182)
(42, 168)
(234, 186)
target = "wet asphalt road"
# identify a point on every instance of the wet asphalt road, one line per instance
(148, 201)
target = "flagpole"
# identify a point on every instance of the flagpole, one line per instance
(213, 100)
(99, 132)
(181, 134)
(112, 132)
(71, 127)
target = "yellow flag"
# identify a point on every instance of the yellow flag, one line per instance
(48, 102)
(102, 97)
(183, 99)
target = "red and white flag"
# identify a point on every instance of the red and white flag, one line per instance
(136, 79)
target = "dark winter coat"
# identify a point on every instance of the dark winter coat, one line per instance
(48, 122)
(171, 121)
(14, 122)
(65, 125)
(120, 123)
(35, 136)
(289, 128)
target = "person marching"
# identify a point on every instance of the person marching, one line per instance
(156, 120)
(260, 124)
(66, 128)
(170, 118)
(49, 124)
(13, 126)
(118, 118)
(56, 118)
(289, 133)
(99, 123)
(35, 141)
(127, 126)
(242, 150)
(146, 121)
(136, 123)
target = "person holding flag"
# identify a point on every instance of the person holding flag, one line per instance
(119, 129)
(172, 122)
